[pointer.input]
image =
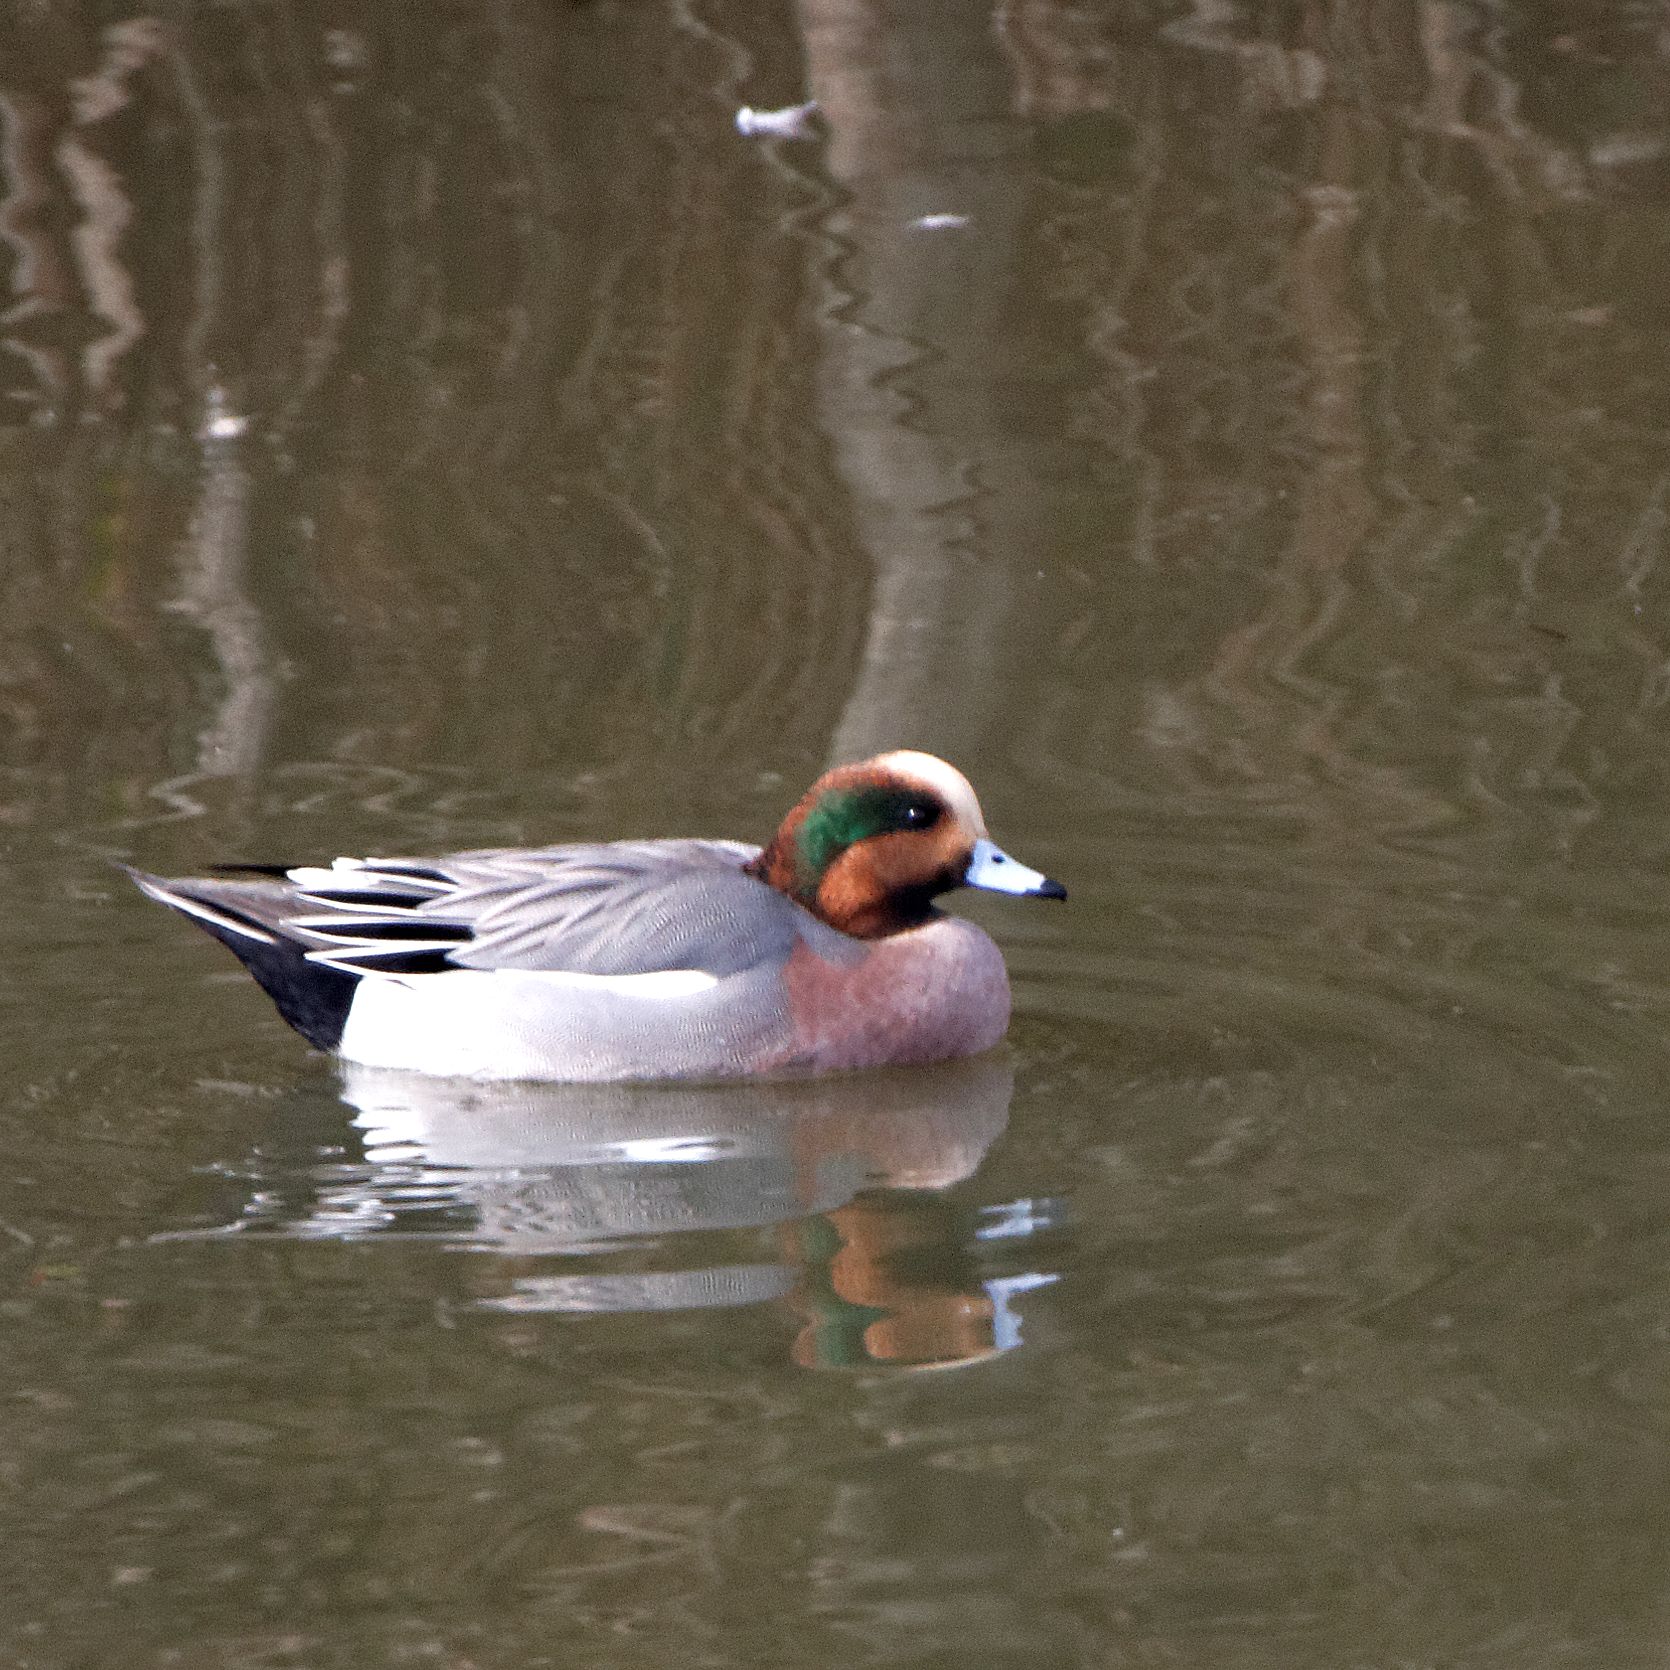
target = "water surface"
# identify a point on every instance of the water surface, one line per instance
(438, 426)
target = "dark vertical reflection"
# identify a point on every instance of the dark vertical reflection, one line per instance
(1369, 400)
(431, 424)
(517, 350)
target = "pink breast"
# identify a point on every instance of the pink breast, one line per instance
(931, 994)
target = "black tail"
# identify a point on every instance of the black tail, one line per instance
(245, 916)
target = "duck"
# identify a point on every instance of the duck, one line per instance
(690, 958)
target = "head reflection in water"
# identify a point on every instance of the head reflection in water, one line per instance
(893, 1278)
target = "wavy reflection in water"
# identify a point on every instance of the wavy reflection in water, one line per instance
(215, 594)
(828, 1196)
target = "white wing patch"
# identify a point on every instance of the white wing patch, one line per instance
(412, 880)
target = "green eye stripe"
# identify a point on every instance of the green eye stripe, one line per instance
(844, 817)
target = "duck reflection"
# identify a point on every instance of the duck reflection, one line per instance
(825, 1196)
(891, 1278)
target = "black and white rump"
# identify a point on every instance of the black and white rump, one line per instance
(311, 933)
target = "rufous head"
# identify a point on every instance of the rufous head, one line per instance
(870, 846)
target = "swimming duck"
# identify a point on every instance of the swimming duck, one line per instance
(659, 959)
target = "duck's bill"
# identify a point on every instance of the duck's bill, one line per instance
(993, 869)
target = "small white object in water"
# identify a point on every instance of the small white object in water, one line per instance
(220, 422)
(939, 223)
(793, 121)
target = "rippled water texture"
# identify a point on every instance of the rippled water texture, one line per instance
(1239, 436)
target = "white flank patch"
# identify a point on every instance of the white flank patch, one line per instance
(487, 1022)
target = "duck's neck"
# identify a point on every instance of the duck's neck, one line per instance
(845, 895)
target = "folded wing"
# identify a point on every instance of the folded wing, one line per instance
(615, 908)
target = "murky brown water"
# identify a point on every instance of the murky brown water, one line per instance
(433, 426)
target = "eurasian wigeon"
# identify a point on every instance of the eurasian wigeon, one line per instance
(662, 959)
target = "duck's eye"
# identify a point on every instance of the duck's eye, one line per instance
(917, 814)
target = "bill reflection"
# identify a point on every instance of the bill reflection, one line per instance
(827, 1198)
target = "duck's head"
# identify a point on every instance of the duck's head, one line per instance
(870, 846)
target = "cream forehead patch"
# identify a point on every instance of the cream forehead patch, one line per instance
(945, 780)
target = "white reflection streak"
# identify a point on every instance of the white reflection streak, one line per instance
(38, 279)
(106, 210)
(793, 121)
(915, 472)
(216, 597)
(1006, 1322)
(215, 556)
